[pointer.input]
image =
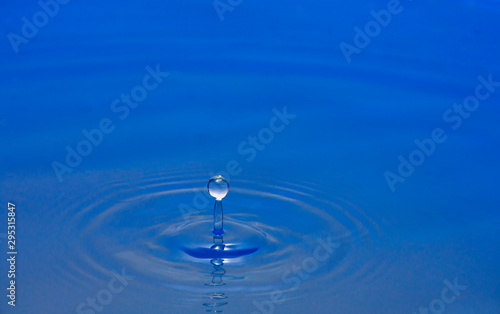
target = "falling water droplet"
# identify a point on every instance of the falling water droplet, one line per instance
(218, 187)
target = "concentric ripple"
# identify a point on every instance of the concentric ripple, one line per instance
(160, 230)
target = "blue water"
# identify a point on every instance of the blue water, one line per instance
(361, 147)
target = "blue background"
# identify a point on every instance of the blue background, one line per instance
(352, 121)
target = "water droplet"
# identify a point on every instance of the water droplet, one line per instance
(218, 187)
